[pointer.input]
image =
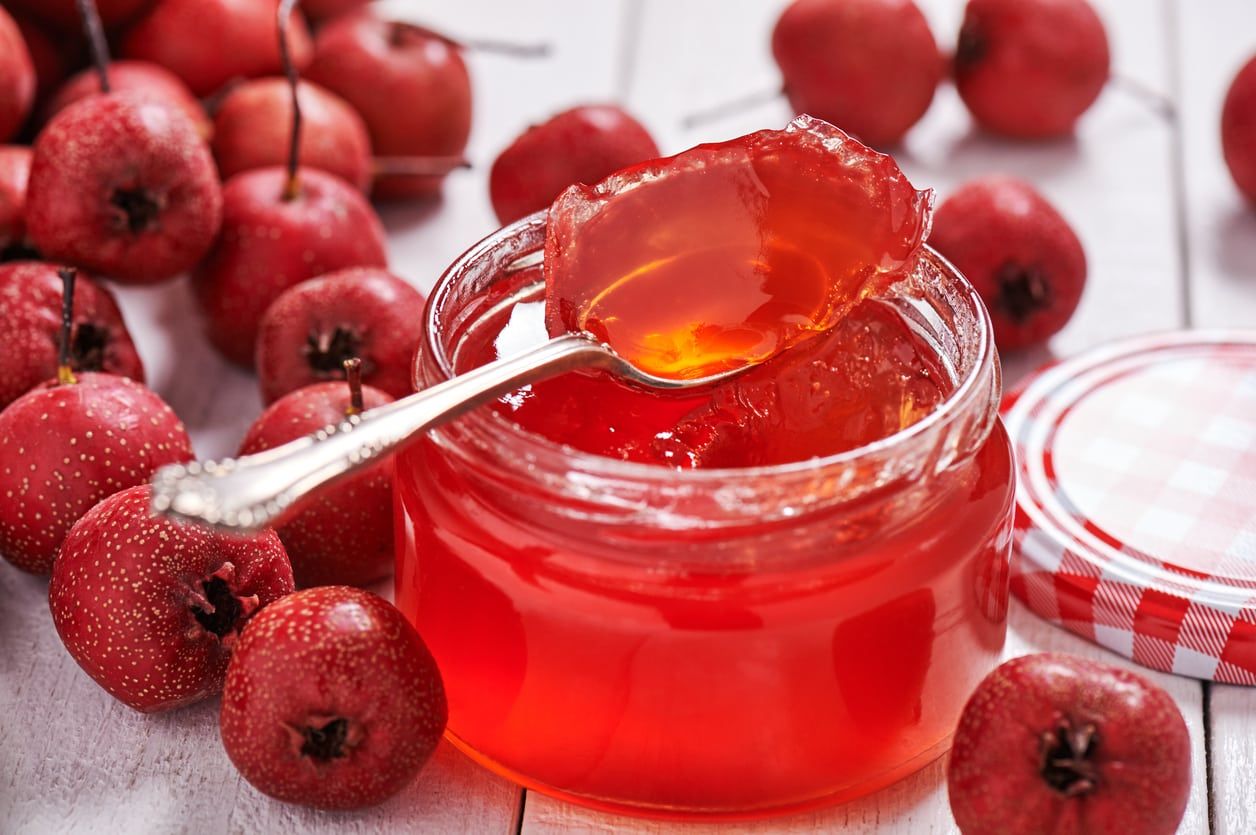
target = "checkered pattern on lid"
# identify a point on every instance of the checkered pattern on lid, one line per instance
(1136, 499)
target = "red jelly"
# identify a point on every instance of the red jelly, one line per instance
(728, 254)
(790, 613)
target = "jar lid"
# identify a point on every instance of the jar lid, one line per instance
(1136, 499)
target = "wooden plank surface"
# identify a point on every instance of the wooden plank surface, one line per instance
(1214, 40)
(73, 760)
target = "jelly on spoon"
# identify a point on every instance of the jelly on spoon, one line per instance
(671, 274)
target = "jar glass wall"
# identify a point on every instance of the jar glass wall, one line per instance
(706, 642)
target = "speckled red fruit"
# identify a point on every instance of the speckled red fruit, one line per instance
(17, 78)
(210, 42)
(1054, 744)
(332, 700)
(309, 332)
(1030, 68)
(580, 145)
(1238, 129)
(139, 77)
(345, 535)
(63, 14)
(410, 85)
(868, 66)
(1021, 255)
(253, 128)
(15, 170)
(326, 9)
(63, 448)
(123, 186)
(30, 330)
(151, 609)
(270, 243)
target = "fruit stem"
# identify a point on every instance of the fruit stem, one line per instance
(1161, 104)
(727, 108)
(96, 42)
(292, 187)
(508, 48)
(417, 166)
(353, 373)
(65, 374)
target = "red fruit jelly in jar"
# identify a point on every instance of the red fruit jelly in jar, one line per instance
(764, 595)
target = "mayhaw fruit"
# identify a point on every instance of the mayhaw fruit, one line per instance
(870, 67)
(581, 145)
(364, 313)
(1018, 251)
(140, 77)
(253, 127)
(376, 64)
(31, 296)
(208, 43)
(332, 700)
(345, 534)
(1030, 68)
(72, 441)
(151, 608)
(17, 78)
(1238, 129)
(281, 225)
(1053, 743)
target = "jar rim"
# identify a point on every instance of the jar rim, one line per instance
(542, 448)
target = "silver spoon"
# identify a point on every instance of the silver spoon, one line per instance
(244, 495)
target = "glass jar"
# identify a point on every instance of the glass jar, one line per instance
(724, 642)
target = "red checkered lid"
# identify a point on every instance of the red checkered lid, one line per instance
(1136, 499)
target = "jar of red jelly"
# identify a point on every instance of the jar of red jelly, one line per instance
(719, 642)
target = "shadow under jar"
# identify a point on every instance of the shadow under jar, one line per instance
(725, 642)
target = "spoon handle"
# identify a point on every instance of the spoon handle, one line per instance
(246, 494)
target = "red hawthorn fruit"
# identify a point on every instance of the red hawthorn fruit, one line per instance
(345, 535)
(66, 446)
(151, 608)
(309, 332)
(271, 241)
(1030, 68)
(1051, 744)
(139, 77)
(15, 171)
(320, 10)
(253, 129)
(332, 700)
(1238, 129)
(17, 78)
(30, 330)
(1021, 255)
(410, 86)
(581, 145)
(870, 67)
(208, 43)
(123, 186)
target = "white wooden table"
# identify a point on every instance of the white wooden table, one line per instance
(1170, 245)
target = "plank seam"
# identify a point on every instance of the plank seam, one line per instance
(1177, 152)
(629, 46)
(517, 828)
(1208, 770)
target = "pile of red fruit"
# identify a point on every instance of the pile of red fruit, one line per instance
(264, 202)
(1024, 68)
